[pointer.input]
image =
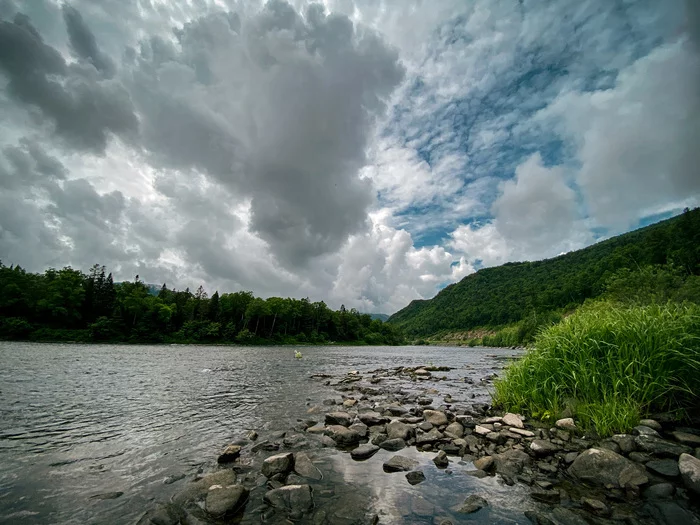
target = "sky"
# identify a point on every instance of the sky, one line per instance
(360, 152)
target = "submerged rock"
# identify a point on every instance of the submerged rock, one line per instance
(472, 504)
(296, 499)
(342, 435)
(305, 467)
(225, 501)
(415, 476)
(605, 467)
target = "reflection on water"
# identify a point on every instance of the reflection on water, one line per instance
(79, 421)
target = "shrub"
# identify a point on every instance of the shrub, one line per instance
(609, 365)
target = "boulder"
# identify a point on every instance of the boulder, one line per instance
(686, 438)
(566, 423)
(296, 499)
(605, 467)
(664, 467)
(484, 463)
(651, 423)
(541, 448)
(397, 410)
(513, 420)
(339, 418)
(360, 428)
(225, 501)
(455, 430)
(511, 462)
(659, 491)
(660, 447)
(400, 464)
(365, 451)
(164, 514)
(642, 430)
(415, 476)
(372, 418)
(393, 444)
(435, 417)
(689, 468)
(305, 467)
(441, 460)
(424, 438)
(278, 464)
(396, 429)
(198, 489)
(625, 442)
(343, 436)
(472, 504)
(230, 454)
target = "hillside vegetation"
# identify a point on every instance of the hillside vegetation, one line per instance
(527, 294)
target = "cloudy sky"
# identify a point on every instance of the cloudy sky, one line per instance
(365, 152)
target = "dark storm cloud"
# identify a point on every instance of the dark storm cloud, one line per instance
(83, 41)
(82, 108)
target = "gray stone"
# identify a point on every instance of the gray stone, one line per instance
(640, 457)
(604, 467)
(400, 464)
(545, 496)
(294, 498)
(425, 426)
(252, 435)
(686, 438)
(393, 444)
(472, 504)
(541, 447)
(316, 429)
(482, 431)
(339, 418)
(305, 467)
(364, 452)
(566, 423)
(659, 491)
(397, 410)
(164, 514)
(643, 430)
(225, 501)
(423, 438)
(664, 467)
(513, 420)
(360, 428)
(511, 462)
(230, 454)
(455, 430)
(671, 513)
(441, 460)
(477, 473)
(435, 417)
(484, 463)
(660, 447)
(396, 429)
(522, 432)
(343, 436)
(415, 476)
(198, 489)
(278, 464)
(372, 418)
(651, 423)
(570, 457)
(625, 442)
(595, 505)
(689, 467)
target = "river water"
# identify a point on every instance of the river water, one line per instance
(78, 422)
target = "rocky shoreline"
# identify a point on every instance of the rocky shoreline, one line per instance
(649, 476)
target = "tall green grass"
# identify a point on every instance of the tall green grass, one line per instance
(609, 365)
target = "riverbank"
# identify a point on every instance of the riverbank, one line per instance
(651, 475)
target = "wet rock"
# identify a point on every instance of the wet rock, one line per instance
(423, 438)
(225, 501)
(173, 478)
(342, 436)
(452, 450)
(399, 430)
(660, 447)
(327, 441)
(511, 462)
(513, 420)
(659, 491)
(547, 467)
(596, 506)
(454, 430)
(545, 496)
(252, 435)
(686, 438)
(339, 418)
(360, 428)
(610, 445)
(278, 464)
(651, 423)
(397, 410)
(400, 463)
(425, 426)
(294, 441)
(107, 495)
(441, 460)
(305, 467)
(472, 504)
(393, 444)
(664, 467)
(605, 467)
(570, 457)
(642, 430)
(415, 476)
(424, 401)
(671, 513)
(265, 445)
(484, 463)
(477, 473)
(198, 489)
(558, 516)
(164, 514)
(435, 417)
(625, 442)
(372, 418)
(422, 372)
(379, 439)
(364, 452)
(689, 467)
(230, 454)
(640, 457)
(542, 448)
(566, 424)
(296, 499)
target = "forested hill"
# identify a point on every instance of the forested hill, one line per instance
(508, 293)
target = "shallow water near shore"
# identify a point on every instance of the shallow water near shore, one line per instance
(80, 424)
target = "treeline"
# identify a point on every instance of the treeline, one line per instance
(524, 296)
(69, 305)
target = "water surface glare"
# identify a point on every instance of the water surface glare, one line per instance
(79, 421)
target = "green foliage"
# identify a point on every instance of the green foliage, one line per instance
(15, 328)
(510, 293)
(609, 364)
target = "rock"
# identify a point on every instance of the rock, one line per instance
(606, 468)
(252, 435)
(610, 445)
(545, 496)
(659, 491)
(642, 430)
(651, 423)
(198, 489)
(558, 516)
(595, 505)
(294, 441)
(364, 452)
(541, 447)
(425, 426)
(343, 436)
(435, 417)
(415, 476)
(400, 464)
(491, 420)
(511, 462)
(229, 454)
(455, 430)
(547, 467)
(296, 499)
(496, 437)
(472, 504)
(327, 441)
(372, 418)
(484, 463)
(513, 420)
(422, 372)
(664, 467)
(640, 457)
(686, 438)
(689, 467)
(660, 447)
(360, 428)
(393, 444)
(566, 424)
(522, 432)
(305, 467)
(671, 513)
(570, 457)
(477, 473)
(316, 429)
(225, 501)
(164, 514)
(278, 464)
(441, 460)
(625, 442)
(423, 438)
(348, 403)
(397, 410)
(108, 495)
(339, 418)
(265, 445)
(396, 429)
(481, 431)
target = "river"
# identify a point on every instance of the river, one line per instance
(78, 422)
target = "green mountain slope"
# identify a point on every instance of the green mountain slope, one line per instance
(508, 293)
